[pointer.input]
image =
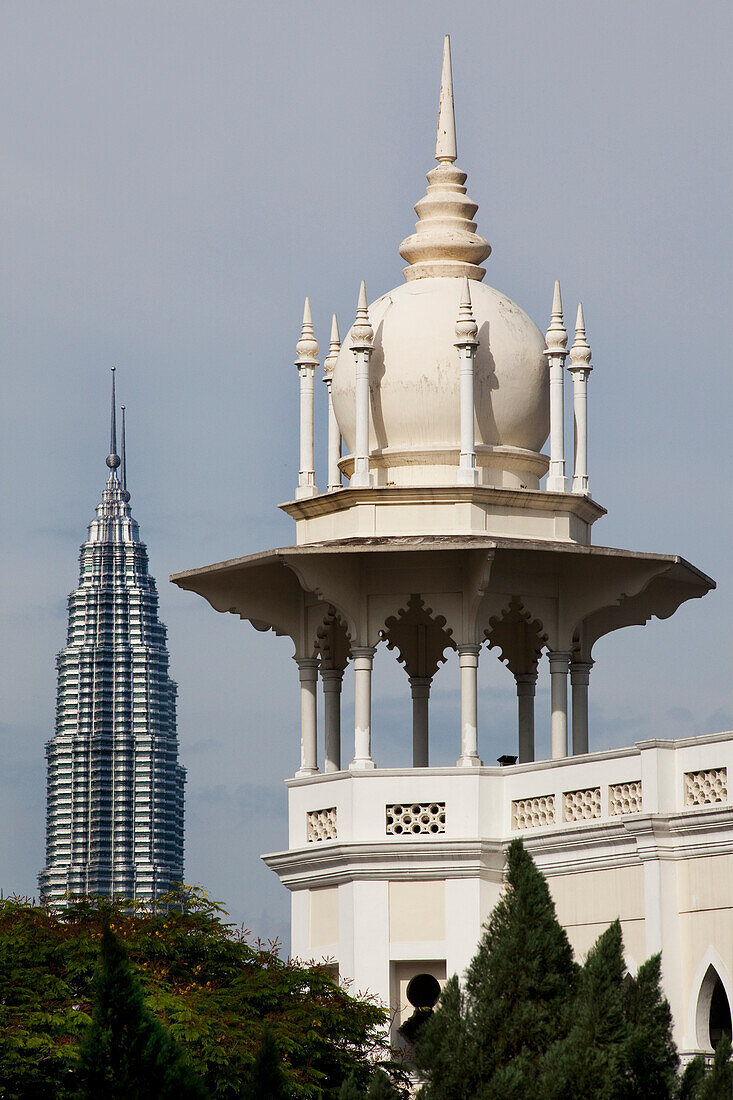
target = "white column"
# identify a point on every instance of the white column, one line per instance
(334, 433)
(557, 339)
(559, 662)
(362, 345)
(467, 342)
(332, 680)
(468, 664)
(363, 657)
(420, 688)
(306, 362)
(526, 685)
(308, 670)
(579, 679)
(580, 368)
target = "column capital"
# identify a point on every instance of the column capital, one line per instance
(307, 667)
(580, 672)
(559, 658)
(526, 683)
(363, 652)
(332, 678)
(420, 685)
(470, 652)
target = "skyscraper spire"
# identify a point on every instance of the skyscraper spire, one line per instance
(445, 145)
(113, 459)
(123, 470)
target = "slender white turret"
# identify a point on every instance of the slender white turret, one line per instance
(306, 351)
(557, 343)
(467, 342)
(334, 435)
(579, 366)
(362, 345)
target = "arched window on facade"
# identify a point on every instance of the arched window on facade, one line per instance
(713, 1011)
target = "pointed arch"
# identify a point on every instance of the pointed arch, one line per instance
(710, 1002)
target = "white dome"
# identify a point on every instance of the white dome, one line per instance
(414, 371)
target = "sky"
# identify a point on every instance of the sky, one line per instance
(177, 176)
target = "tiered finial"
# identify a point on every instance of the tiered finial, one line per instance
(466, 327)
(113, 459)
(306, 349)
(580, 352)
(445, 241)
(335, 347)
(556, 336)
(362, 333)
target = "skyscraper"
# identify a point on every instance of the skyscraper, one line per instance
(114, 821)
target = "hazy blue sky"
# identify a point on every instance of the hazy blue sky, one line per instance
(176, 176)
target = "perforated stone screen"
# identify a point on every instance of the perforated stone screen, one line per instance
(581, 805)
(416, 818)
(706, 787)
(322, 825)
(533, 813)
(624, 798)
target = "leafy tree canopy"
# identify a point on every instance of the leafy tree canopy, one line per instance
(237, 1011)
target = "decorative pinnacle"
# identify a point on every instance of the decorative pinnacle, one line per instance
(362, 333)
(466, 327)
(445, 241)
(580, 351)
(445, 144)
(556, 336)
(123, 471)
(113, 459)
(330, 361)
(307, 347)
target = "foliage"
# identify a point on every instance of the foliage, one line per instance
(126, 1053)
(717, 1084)
(531, 1023)
(214, 992)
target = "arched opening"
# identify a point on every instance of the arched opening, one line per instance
(713, 1017)
(719, 1023)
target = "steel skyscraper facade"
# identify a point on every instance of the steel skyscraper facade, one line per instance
(114, 822)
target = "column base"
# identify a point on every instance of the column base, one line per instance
(555, 484)
(305, 773)
(303, 491)
(364, 764)
(467, 475)
(469, 762)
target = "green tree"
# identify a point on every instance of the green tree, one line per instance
(380, 1087)
(441, 1053)
(717, 1083)
(267, 1078)
(127, 1054)
(202, 979)
(350, 1089)
(651, 1054)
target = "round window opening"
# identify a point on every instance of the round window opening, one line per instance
(423, 991)
(720, 1022)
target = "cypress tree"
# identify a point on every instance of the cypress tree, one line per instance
(592, 1060)
(650, 1050)
(441, 1057)
(267, 1077)
(127, 1054)
(519, 985)
(381, 1088)
(718, 1083)
(350, 1089)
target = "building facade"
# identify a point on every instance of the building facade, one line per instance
(114, 821)
(456, 532)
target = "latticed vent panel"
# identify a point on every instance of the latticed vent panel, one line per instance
(322, 825)
(704, 788)
(415, 819)
(532, 813)
(581, 805)
(624, 798)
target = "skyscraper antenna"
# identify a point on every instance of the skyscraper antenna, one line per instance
(125, 494)
(113, 459)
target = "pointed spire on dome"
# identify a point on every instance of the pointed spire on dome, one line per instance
(445, 241)
(123, 449)
(306, 349)
(335, 347)
(113, 459)
(580, 352)
(445, 145)
(362, 333)
(556, 336)
(466, 327)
